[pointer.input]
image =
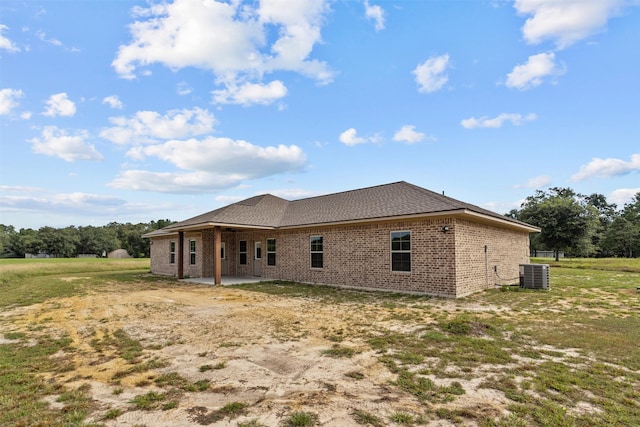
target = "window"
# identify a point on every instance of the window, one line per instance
(271, 251)
(172, 252)
(192, 252)
(316, 252)
(243, 252)
(400, 251)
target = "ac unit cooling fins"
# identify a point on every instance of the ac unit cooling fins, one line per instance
(534, 276)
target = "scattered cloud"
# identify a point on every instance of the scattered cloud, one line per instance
(60, 105)
(565, 22)
(113, 101)
(623, 196)
(350, 137)
(431, 74)
(409, 135)
(496, 122)
(293, 193)
(502, 207)
(184, 88)
(55, 42)
(607, 168)
(9, 100)
(59, 143)
(209, 165)
(536, 182)
(146, 127)
(376, 13)
(5, 43)
(534, 71)
(39, 201)
(230, 39)
(251, 93)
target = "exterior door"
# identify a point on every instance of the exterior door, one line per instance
(257, 259)
(223, 258)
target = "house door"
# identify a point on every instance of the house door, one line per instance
(257, 259)
(223, 258)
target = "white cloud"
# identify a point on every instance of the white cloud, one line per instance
(60, 105)
(25, 115)
(5, 43)
(251, 93)
(376, 13)
(431, 74)
(622, 196)
(536, 182)
(150, 126)
(228, 38)
(9, 100)
(210, 164)
(184, 89)
(533, 72)
(350, 137)
(607, 168)
(497, 122)
(113, 101)
(57, 142)
(565, 22)
(409, 135)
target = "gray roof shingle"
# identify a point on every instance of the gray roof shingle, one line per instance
(379, 202)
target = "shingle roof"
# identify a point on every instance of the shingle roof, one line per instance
(383, 201)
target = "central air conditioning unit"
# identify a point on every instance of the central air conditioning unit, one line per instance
(534, 276)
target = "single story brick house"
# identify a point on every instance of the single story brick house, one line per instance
(393, 237)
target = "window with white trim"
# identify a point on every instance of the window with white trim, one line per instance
(243, 252)
(192, 252)
(172, 252)
(317, 253)
(271, 251)
(401, 251)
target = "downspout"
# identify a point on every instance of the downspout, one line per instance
(486, 266)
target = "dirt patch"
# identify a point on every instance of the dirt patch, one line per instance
(265, 351)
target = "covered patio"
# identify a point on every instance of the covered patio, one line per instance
(225, 280)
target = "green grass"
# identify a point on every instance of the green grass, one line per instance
(549, 352)
(30, 281)
(302, 419)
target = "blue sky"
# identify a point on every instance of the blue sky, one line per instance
(132, 111)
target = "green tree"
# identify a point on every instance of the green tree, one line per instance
(623, 235)
(564, 220)
(606, 213)
(7, 232)
(97, 240)
(62, 243)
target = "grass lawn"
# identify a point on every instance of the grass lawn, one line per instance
(564, 357)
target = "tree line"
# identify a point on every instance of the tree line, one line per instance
(69, 242)
(581, 225)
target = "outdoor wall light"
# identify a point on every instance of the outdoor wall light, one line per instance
(445, 228)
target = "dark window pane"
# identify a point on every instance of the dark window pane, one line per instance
(316, 260)
(401, 261)
(193, 259)
(258, 253)
(271, 258)
(172, 258)
(243, 259)
(243, 246)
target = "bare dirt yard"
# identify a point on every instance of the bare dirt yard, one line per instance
(189, 355)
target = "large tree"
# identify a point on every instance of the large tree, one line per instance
(623, 235)
(563, 217)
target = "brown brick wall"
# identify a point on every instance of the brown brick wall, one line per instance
(475, 269)
(451, 263)
(160, 256)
